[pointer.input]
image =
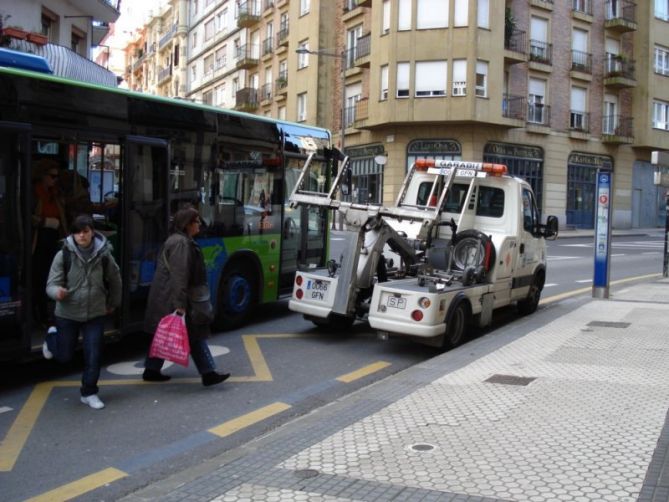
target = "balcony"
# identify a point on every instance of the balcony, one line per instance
(246, 57)
(581, 62)
(513, 107)
(246, 99)
(164, 39)
(579, 124)
(582, 7)
(164, 74)
(266, 93)
(515, 47)
(619, 72)
(617, 129)
(538, 114)
(350, 5)
(282, 36)
(620, 16)
(362, 51)
(541, 52)
(542, 4)
(361, 113)
(281, 86)
(249, 14)
(267, 5)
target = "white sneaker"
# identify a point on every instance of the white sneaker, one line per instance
(46, 352)
(93, 401)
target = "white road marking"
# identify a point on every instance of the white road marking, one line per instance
(550, 285)
(651, 252)
(5, 409)
(558, 258)
(619, 254)
(583, 281)
(131, 368)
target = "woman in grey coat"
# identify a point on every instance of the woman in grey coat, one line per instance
(85, 282)
(179, 282)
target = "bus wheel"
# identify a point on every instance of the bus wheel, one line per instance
(457, 326)
(237, 296)
(530, 303)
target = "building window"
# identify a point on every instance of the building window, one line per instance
(536, 101)
(661, 60)
(282, 113)
(385, 22)
(384, 83)
(50, 25)
(221, 57)
(459, 77)
(431, 14)
(303, 57)
(193, 73)
(662, 9)
(539, 50)
(482, 79)
(577, 114)
(610, 114)
(78, 43)
(431, 78)
(404, 15)
(194, 40)
(209, 29)
(209, 66)
(302, 107)
(220, 95)
(222, 20)
(352, 37)
(483, 14)
(461, 14)
(402, 80)
(304, 7)
(660, 115)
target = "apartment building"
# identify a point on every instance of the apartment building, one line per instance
(555, 90)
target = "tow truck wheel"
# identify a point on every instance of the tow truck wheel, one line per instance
(531, 302)
(457, 326)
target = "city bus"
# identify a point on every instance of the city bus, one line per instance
(137, 159)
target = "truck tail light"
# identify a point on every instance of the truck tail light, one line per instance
(299, 294)
(417, 315)
(298, 280)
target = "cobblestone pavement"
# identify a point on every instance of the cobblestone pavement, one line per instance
(567, 404)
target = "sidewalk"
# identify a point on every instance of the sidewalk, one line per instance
(569, 403)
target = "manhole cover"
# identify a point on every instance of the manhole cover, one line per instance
(608, 324)
(510, 380)
(306, 473)
(422, 447)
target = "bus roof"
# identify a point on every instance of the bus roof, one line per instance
(282, 124)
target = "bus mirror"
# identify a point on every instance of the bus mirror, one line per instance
(347, 178)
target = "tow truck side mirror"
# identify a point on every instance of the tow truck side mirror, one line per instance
(551, 228)
(347, 176)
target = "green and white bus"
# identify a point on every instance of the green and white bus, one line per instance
(141, 158)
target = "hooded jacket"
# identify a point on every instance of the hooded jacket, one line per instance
(87, 296)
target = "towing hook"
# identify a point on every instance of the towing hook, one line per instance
(332, 267)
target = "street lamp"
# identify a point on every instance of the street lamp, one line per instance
(342, 134)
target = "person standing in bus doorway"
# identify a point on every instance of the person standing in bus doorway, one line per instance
(85, 282)
(180, 272)
(49, 226)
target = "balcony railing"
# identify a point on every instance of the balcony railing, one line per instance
(349, 116)
(583, 6)
(267, 46)
(617, 125)
(538, 114)
(361, 111)
(167, 36)
(513, 107)
(579, 121)
(282, 35)
(516, 41)
(246, 99)
(616, 65)
(581, 61)
(281, 83)
(363, 47)
(164, 74)
(246, 56)
(266, 92)
(541, 52)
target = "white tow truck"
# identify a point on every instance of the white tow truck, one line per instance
(467, 239)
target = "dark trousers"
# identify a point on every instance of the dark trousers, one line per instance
(63, 344)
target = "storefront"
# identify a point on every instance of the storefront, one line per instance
(447, 149)
(581, 186)
(367, 180)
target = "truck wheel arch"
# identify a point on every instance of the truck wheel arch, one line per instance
(458, 320)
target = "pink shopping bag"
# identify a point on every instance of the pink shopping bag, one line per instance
(170, 341)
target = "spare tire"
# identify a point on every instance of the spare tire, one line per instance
(472, 248)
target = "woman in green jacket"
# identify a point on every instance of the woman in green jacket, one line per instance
(85, 282)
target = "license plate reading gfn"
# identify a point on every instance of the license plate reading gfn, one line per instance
(397, 302)
(318, 290)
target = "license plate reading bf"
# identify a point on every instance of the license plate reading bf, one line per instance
(397, 302)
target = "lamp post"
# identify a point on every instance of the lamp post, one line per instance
(342, 134)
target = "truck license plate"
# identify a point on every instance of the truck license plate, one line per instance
(318, 290)
(397, 302)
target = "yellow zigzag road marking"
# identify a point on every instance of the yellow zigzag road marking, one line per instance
(363, 372)
(239, 423)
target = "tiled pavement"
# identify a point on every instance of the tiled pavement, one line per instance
(567, 404)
